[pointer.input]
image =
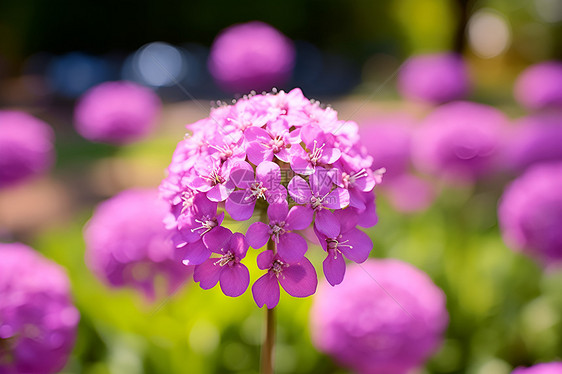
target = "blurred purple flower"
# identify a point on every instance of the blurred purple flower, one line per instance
(117, 113)
(363, 328)
(37, 318)
(26, 147)
(434, 78)
(540, 86)
(460, 141)
(530, 213)
(537, 138)
(546, 368)
(251, 56)
(298, 279)
(127, 243)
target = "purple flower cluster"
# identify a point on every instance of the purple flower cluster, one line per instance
(251, 56)
(546, 368)
(362, 327)
(278, 156)
(460, 141)
(540, 86)
(434, 78)
(26, 147)
(127, 243)
(37, 318)
(117, 113)
(530, 213)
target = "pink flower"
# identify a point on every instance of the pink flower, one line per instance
(26, 147)
(233, 276)
(298, 279)
(244, 160)
(363, 328)
(282, 222)
(117, 113)
(540, 86)
(265, 185)
(349, 242)
(545, 368)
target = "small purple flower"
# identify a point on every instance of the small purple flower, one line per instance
(198, 229)
(540, 86)
(233, 276)
(265, 185)
(460, 141)
(273, 141)
(117, 113)
(320, 197)
(282, 222)
(213, 177)
(362, 328)
(320, 151)
(26, 147)
(298, 279)
(544, 368)
(127, 243)
(349, 242)
(251, 56)
(530, 213)
(434, 78)
(38, 320)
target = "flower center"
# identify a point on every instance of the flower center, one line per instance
(186, 200)
(276, 230)
(206, 224)
(316, 201)
(277, 144)
(216, 178)
(314, 157)
(277, 267)
(350, 179)
(334, 244)
(257, 190)
(225, 259)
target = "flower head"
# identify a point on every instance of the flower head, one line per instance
(26, 147)
(117, 112)
(530, 213)
(37, 318)
(127, 243)
(278, 159)
(540, 86)
(434, 78)
(360, 326)
(460, 141)
(545, 368)
(251, 56)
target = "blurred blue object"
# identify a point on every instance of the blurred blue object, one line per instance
(72, 74)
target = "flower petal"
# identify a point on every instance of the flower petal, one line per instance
(321, 182)
(266, 291)
(207, 274)
(299, 190)
(257, 235)
(195, 253)
(299, 217)
(291, 247)
(265, 259)
(327, 223)
(269, 174)
(242, 175)
(330, 155)
(202, 206)
(276, 194)
(239, 245)
(217, 239)
(234, 280)
(238, 207)
(337, 199)
(300, 162)
(220, 191)
(358, 247)
(299, 280)
(258, 153)
(256, 134)
(278, 212)
(334, 268)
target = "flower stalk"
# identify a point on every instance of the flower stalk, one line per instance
(269, 339)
